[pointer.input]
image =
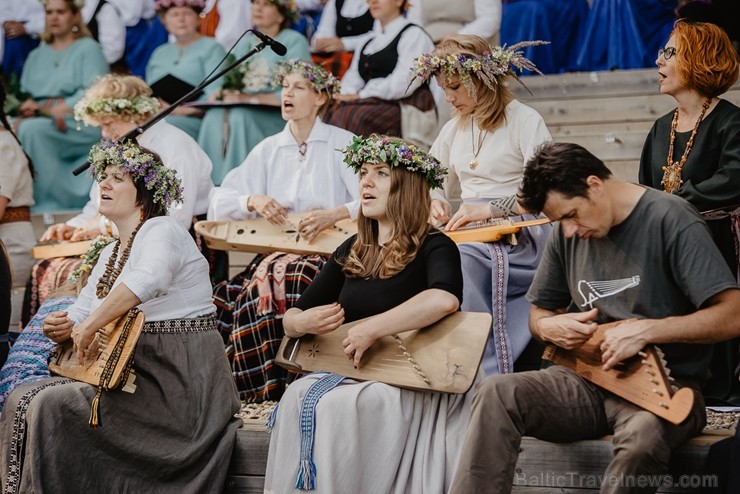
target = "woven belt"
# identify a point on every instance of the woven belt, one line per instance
(13, 215)
(191, 325)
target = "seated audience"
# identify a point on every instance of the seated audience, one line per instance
(675, 289)
(21, 23)
(345, 25)
(226, 20)
(486, 147)
(176, 432)
(228, 134)
(144, 33)
(107, 27)
(377, 82)
(188, 59)
(55, 75)
(298, 170)
(441, 18)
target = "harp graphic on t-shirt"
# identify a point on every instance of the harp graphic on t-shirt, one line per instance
(591, 291)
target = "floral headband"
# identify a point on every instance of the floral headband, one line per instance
(320, 79)
(140, 165)
(123, 108)
(491, 67)
(395, 152)
(78, 3)
(162, 5)
(288, 8)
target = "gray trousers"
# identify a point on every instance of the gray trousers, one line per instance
(557, 405)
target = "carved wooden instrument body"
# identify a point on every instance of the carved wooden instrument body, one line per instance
(492, 231)
(61, 249)
(260, 236)
(643, 379)
(112, 367)
(441, 357)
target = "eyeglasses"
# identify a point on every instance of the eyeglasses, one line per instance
(667, 53)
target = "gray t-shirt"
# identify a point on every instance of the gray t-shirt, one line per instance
(659, 262)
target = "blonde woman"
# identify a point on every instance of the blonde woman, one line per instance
(485, 147)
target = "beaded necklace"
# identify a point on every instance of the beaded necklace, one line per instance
(481, 137)
(671, 180)
(105, 283)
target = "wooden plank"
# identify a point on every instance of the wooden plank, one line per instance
(237, 484)
(562, 131)
(250, 451)
(589, 84)
(610, 147)
(624, 170)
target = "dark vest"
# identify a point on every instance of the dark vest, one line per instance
(381, 63)
(354, 26)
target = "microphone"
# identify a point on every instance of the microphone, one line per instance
(275, 46)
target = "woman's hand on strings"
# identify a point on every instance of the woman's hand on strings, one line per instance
(321, 319)
(57, 326)
(440, 212)
(317, 221)
(269, 208)
(57, 233)
(468, 213)
(357, 341)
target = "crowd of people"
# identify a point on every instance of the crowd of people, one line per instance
(283, 134)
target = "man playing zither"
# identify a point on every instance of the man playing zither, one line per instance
(620, 251)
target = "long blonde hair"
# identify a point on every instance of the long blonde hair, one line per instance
(490, 112)
(409, 206)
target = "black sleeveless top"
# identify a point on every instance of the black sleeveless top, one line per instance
(352, 26)
(381, 63)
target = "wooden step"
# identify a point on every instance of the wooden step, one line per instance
(543, 467)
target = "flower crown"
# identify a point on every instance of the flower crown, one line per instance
(491, 67)
(320, 79)
(90, 257)
(288, 8)
(162, 5)
(140, 165)
(78, 3)
(395, 152)
(120, 107)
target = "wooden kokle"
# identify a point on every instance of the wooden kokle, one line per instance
(643, 379)
(492, 231)
(441, 357)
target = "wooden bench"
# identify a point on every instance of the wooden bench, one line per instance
(542, 468)
(608, 113)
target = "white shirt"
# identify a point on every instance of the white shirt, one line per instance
(501, 157)
(328, 24)
(235, 17)
(413, 43)
(164, 270)
(180, 152)
(486, 23)
(320, 180)
(111, 29)
(30, 13)
(16, 183)
(130, 11)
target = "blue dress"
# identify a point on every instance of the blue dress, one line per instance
(50, 73)
(227, 135)
(191, 64)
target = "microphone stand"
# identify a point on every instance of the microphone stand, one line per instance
(159, 116)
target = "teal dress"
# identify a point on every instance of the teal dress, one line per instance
(227, 135)
(50, 73)
(191, 64)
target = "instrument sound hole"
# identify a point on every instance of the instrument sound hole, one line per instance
(290, 231)
(240, 231)
(253, 232)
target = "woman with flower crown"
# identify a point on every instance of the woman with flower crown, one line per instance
(229, 134)
(485, 147)
(190, 58)
(299, 169)
(377, 80)
(398, 274)
(55, 75)
(176, 431)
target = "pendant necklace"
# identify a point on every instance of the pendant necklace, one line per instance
(671, 180)
(302, 149)
(481, 137)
